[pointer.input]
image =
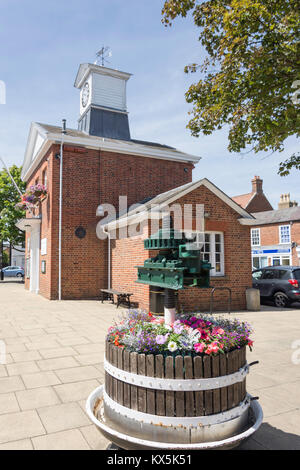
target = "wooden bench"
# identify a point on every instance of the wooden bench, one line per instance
(122, 297)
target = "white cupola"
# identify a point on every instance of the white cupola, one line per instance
(103, 108)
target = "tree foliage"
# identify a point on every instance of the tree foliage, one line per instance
(252, 61)
(9, 214)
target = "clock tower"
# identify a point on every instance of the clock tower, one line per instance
(103, 109)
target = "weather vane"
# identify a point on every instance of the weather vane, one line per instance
(102, 56)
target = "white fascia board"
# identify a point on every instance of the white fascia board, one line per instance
(252, 222)
(236, 207)
(139, 216)
(40, 155)
(35, 131)
(85, 70)
(130, 148)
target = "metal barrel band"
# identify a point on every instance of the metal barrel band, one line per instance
(180, 385)
(193, 422)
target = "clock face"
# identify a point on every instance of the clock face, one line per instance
(85, 95)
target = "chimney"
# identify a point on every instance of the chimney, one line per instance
(103, 109)
(257, 185)
(285, 202)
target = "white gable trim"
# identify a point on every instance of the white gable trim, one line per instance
(131, 148)
(139, 215)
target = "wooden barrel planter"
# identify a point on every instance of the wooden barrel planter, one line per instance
(176, 398)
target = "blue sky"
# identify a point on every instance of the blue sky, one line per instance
(42, 45)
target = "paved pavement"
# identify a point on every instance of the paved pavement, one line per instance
(55, 359)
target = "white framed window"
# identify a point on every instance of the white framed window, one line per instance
(284, 234)
(212, 249)
(255, 236)
(213, 252)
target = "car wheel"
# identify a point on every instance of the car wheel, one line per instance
(281, 300)
(19, 275)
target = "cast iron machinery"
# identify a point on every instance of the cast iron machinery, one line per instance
(176, 266)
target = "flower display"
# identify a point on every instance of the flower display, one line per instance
(189, 334)
(34, 194)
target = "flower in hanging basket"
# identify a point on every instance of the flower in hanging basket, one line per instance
(33, 196)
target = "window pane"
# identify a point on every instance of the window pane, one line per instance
(281, 274)
(285, 234)
(276, 261)
(255, 236)
(218, 238)
(285, 261)
(297, 274)
(257, 275)
(269, 274)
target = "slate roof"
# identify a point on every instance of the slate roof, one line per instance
(77, 133)
(282, 215)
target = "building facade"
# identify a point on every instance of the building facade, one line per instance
(275, 239)
(256, 201)
(95, 165)
(226, 246)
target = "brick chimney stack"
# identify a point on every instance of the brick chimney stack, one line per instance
(285, 202)
(257, 185)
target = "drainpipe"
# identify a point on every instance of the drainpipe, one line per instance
(108, 260)
(63, 132)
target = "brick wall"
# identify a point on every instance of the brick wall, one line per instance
(269, 235)
(127, 253)
(90, 178)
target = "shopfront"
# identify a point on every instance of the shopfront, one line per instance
(271, 257)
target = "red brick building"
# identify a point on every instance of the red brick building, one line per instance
(275, 237)
(226, 247)
(256, 201)
(96, 164)
(100, 163)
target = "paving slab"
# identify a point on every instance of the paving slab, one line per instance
(37, 398)
(17, 426)
(65, 440)
(62, 417)
(55, 359)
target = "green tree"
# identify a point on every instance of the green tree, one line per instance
(251, 64)
(9, 214)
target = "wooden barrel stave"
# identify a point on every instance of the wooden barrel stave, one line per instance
(175, 403)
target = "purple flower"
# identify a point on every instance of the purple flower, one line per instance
(161, 339)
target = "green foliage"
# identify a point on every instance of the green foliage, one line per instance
(9, 214)
(252, 61)
(286, 166)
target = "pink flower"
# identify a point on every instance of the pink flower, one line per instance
(218, 331)
(199, 347)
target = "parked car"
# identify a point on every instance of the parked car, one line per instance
(13, 271)
(278, 283)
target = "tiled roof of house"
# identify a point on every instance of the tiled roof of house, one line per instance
(282, 215)
(243, 199)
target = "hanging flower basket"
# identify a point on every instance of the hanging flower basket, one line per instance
(34, 195)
